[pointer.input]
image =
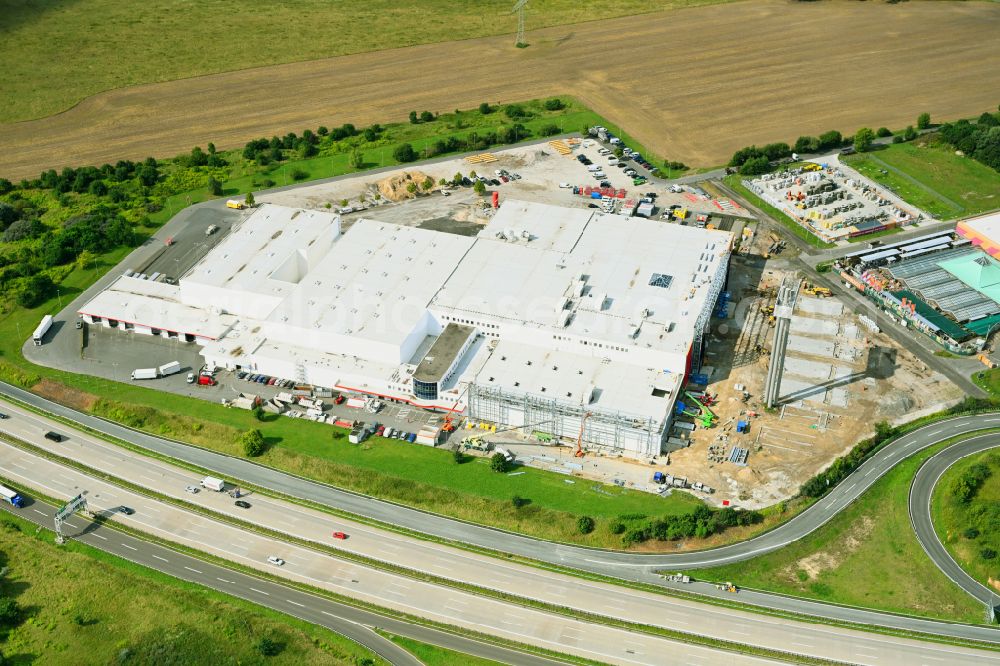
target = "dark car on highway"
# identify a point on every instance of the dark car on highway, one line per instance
(126, 510)
(242, 504)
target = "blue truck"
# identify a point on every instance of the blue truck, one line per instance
(11, 496)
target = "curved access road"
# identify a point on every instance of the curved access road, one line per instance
(628, 566)
(921, 493)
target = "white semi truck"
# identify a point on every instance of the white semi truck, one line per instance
(171, 368)
(145, 373)
(42, 329)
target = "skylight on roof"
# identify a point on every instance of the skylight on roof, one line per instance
(660, 280)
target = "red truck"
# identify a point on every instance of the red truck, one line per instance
(205, 380)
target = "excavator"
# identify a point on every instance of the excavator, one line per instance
(813, 290)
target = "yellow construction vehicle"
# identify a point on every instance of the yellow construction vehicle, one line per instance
(813, 290)
(987, 361)
(729, 587)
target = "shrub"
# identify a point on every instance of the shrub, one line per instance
(988, 554)
(617, 527)
(253, 443)
(970, 533)
(519, 501)
(413, 117)
(214, 186)
(883, 132)
(897, 139)
(404, 153)
(755, 166)
(514, 111)
(909, 134)
(585, 525)
(268, 647)
(426, 117)
(553, 104)
(10, 612)
(299, 174)
(550, 130)
(924, 121)
(498, 463)
(485, 109)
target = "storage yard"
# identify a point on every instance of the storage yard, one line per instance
(832, 201)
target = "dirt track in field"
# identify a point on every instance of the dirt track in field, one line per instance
(692, 85)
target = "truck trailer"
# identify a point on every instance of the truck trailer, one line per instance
(171, 368)
(212, 483)
(145, 373)
(42, 329)
(11, 497)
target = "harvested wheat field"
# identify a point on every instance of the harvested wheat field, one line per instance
(692, 85)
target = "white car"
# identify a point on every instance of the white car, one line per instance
(565, 185)
(275, 560)
(193, 489)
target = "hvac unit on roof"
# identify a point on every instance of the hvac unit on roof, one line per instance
(510, 234)
(526, 235)
(566, 316)
(578, 288)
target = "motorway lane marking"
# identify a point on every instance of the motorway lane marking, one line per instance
(101, 537)
(129, 547)
(296, 603)
(194, 570)
(40, 512)
(162, 559)
(224, 580)
(805, 645)
(254, 589)
(865, 656)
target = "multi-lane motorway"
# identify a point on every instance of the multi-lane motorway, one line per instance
(448, 605)
(631, 566)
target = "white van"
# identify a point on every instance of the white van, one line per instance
(594, 167)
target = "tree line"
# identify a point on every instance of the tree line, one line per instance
(980, 140)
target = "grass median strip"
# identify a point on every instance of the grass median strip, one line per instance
(392, 568)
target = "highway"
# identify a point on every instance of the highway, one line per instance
(629, 566)
(920, 513)
(354, 623)
(424, 598)
(447, 605)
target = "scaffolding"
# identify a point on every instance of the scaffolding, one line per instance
(611, 432)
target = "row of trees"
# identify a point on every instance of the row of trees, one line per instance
(701, 523)
(979, 140)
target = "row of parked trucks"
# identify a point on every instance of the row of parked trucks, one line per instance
(164, 370)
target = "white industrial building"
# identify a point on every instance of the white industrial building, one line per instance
(548, 319)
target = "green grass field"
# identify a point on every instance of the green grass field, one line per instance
(82, 605)
(125, 44)
(952, 518)
(928, 174)
(432, 655)
(866, 556)
(988, 379)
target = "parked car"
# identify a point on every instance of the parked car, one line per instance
(505, 179)
(275, 560)
(339, 535)
(126, 510)
(242, 504)
(380, 431)
(565, 185)
(190, 378)
(240, 374)
(593, 205)
(79, 323)
(339, 400)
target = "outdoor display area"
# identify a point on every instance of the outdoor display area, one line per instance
(832, 201)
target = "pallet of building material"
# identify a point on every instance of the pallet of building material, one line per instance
(739, 455)
(560, 147)
(483, 158)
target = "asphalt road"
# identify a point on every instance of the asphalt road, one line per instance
(630, 566)
(446, 604)
(354, 623)
(920, 514)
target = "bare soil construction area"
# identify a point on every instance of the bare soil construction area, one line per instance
(691, 85)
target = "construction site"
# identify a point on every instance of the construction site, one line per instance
(838, 376)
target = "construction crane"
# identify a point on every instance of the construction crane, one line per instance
(579, 438)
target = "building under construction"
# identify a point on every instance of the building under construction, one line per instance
(548, 320)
